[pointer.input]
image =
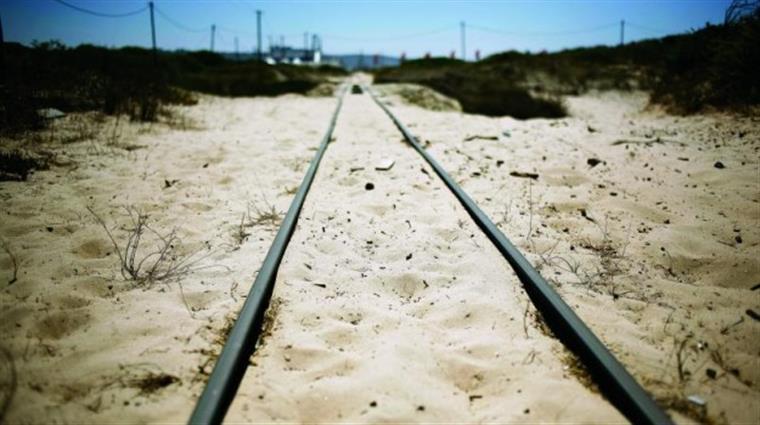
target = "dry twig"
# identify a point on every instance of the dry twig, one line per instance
(14, 260)
(160, 264)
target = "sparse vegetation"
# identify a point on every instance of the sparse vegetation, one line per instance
(152, 382)
(477, 89)
(267, 216)
(128, 81)
(254, 215)
(14, 260)
(8, 381)
(146, 266)
(16, 164)
(715, 66)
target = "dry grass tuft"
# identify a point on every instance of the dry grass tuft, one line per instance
(8, 381)
(267, 216)
(254, 215)
(152, 382)
(146, 266)
(14, 260)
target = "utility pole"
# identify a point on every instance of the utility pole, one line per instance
(464, 52)
(2, 55)
(237, 50)
(153, 32)
(258, 35)
(305, 41)
(622, 32)
(213, 31)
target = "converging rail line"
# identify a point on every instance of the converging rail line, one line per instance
(230, 366)
(615, 383)
(613, 380)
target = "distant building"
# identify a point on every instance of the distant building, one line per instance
(306, 56)
(286, 54)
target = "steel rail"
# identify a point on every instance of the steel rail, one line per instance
(614, 381)
(232, 363)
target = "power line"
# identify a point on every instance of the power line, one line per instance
(391, 38)
(177, 24)
(234, 31)
(647, 29)
(545, 33)
(101, 14)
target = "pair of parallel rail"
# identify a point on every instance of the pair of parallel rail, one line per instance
(615, 383)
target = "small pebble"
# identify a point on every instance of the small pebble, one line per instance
(369, 186)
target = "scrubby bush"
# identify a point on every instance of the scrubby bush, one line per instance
(131, 81)
(716, 66)
(478, 91)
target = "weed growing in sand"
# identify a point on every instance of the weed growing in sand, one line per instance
(600, 276)
(254, 215)
(14, 260)
(146, 266)
(266, 216)
(9, 382)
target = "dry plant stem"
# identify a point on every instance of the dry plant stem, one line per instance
(530, 210)
(115, 134)
(8, 393)
(525, 319)
(681, 359)
(157, 265)
(14, 260)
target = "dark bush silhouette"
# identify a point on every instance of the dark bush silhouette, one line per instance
(716, 66)
(131, 80)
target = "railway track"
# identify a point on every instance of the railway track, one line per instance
(615, 383)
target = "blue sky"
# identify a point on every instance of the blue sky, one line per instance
(385, 27)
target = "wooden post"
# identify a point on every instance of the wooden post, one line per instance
(258, 35)
(622, 32)
(2, 54)
(213, 31)
(153, 33)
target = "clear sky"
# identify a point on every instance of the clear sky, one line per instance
(386, 27)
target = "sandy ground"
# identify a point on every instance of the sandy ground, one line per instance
(390, 306)
(88, 345)
(631, 218)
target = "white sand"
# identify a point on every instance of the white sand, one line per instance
(393, 307)
(660, 267)
(82, 338)
(360, 332)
